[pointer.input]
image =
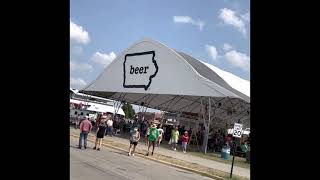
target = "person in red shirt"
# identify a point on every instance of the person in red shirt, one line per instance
(185, 140)
(85, 128)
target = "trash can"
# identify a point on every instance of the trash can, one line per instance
(225, 152)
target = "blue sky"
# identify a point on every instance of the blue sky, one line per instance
(214, 31)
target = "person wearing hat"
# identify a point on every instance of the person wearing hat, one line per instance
(185, 140)
(100, 133)
(134, 139)
(153, 137)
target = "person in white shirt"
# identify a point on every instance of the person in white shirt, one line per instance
(110, 127)
(161, 133)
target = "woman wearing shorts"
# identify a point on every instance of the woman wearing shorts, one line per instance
(100, 133)
(134, 138)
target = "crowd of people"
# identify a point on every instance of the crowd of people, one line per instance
(153, 134)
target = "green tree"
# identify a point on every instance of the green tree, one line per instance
(128, 110)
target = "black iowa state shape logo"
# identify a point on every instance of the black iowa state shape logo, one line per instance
(139, 69)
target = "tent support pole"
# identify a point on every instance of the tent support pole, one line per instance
(116, 109)
(207, 126)
(207, 129)
(204, 142)
(115, 104)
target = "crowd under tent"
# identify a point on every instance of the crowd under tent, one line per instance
(153, 75)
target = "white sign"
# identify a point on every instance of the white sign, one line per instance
(237, 130)
(245, 132)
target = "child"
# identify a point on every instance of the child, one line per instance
(185, 140)
(135, 137)
(153, 136)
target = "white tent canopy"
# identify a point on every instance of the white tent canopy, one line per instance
(156, 76)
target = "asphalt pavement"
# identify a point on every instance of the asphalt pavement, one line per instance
(110, 164)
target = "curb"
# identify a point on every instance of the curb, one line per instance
(160, 161)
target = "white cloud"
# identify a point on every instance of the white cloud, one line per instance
(246, 16)
(189, 20)
(104, 59)
(83, 67)
(238, 59)
(227, 47)
(182, 19)
(78, 34)
(212, 51)
(77, 83)
(229, 17)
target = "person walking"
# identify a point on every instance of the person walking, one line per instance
(110, 126)
(153, 136)
(174, 138)
(100, 133)
(134, 139)
(161, 132)
(85, 128)
(185, 141)
(146, 136)
(78, 119)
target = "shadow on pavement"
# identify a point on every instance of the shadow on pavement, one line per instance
(74, 146)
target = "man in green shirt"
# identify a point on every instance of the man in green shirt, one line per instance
(153, 136)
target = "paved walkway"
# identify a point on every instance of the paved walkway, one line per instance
(186, 157)
(112, 164)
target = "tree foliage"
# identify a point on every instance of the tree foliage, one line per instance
(128, 110)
